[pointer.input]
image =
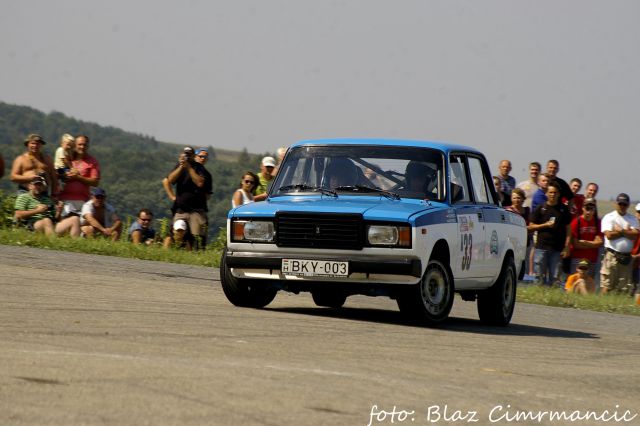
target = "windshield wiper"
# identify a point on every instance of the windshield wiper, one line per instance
(305, 187)
(363, 188)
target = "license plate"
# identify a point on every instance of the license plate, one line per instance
(315, 268)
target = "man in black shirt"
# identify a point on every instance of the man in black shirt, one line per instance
(553, 167)
(193, 184)
(551, 221)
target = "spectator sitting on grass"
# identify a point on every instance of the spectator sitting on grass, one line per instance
(141, 231)
(581, 282)
(34, 209)
(99, 217)
(180, 236)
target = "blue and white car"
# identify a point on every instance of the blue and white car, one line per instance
(411, 220)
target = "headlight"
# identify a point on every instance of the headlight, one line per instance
(389, 235)
(253, 231)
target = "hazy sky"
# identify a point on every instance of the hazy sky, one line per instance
(521, 80)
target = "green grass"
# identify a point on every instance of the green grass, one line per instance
(211, 257)
(613, 303)
(21, 237)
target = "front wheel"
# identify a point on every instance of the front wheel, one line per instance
(431, 299)
(496, 304)
(244, 292)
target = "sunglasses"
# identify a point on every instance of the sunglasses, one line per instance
(144, 220)
(623, 204)
(582, 268)
(249, 181)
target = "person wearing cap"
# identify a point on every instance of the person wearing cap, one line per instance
(99, 217)
(620, 231)
(34, 163)
(84, 174)
(201, 157)
(581, 281)
(180, 237)
(267, 165)
(34, 209)
(192, 188)
(586, 238)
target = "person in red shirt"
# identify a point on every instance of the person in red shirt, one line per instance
(586, 237)
(84, 173)
(576, 203)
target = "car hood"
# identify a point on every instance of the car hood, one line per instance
(371, 207)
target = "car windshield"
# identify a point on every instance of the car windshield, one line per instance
(391, 171)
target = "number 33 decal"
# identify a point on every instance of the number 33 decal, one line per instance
(466, 245)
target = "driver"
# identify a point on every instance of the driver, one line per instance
(341, 172)
(417, 176)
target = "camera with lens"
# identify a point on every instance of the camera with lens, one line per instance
(187, 153)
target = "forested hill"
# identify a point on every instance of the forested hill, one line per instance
(132, 165)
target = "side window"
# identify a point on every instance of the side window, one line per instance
(479, 181)
(458, 186)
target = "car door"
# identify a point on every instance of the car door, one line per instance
(470, 264)
(494, 218)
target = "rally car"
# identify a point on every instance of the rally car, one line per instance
(411, 220)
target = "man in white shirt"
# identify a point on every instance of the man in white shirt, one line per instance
(620, 230)
(99, 217)
(530, 186)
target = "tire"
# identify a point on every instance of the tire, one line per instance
(430, 300)
(329, 299)
(244, 292)
(496, 304)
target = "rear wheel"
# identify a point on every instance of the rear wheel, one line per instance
(328, 299)
(244, 292)
(430, 300)
(496, 304)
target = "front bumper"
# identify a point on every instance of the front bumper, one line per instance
(381, 269)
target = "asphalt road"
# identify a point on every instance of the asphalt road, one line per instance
(88, 339)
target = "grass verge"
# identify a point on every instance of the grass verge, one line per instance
(613, 303)
(21, 237)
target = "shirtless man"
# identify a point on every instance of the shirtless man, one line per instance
(33, 163)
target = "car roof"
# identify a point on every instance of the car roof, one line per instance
(445, 147)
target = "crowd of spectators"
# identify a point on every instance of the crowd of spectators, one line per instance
(61, 196)
(569, 245)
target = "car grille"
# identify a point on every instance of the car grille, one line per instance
(331, 231)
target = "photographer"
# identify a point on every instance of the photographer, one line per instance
(193, 183)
